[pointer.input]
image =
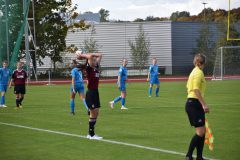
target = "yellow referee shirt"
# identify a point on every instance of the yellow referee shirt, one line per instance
(196, 80)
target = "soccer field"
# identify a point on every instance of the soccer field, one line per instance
(154, 128)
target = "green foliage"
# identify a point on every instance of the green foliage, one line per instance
(72, 48)
(140, 49)
(103, 15)
(175, 15)
(11, 21)
(90, 45)
(51, 28)
(138, 20)
(151, 18)
(206, 45)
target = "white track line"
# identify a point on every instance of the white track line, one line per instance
(103, 140)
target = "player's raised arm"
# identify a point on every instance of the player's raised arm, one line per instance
(89, 56)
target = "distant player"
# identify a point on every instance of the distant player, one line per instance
(19, 78)
(122, 77)
(196, 107)
(4, 79)
(92, 95)
(153, 77)
(77, 85)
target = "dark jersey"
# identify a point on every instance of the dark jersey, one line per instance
(19, 77)
(92, 77)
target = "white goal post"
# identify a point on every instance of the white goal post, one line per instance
(223, 67)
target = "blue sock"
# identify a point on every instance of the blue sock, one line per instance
(157, 90)
(3, 100)
(150, 91)
(85, 104)
(123, 101)
(72, 105)
(117, 99)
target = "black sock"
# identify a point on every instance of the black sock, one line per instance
(92, 122)
(194, 143)
(20, 101)
(17, 102)
(200, 147)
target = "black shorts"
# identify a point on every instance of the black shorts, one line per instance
(195, 112)
(92, 99)
(19, 89)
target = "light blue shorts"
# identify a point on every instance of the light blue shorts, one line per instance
(79, 88)
(154, 80)
(3, 88)
(122, 87)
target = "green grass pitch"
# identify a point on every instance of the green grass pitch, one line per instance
(154, 122)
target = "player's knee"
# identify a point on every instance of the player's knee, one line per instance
(200, 131)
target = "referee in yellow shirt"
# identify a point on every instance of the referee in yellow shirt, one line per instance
(196, 106)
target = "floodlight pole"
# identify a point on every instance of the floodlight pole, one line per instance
(27, 54)
(34, 39)
(204, 4)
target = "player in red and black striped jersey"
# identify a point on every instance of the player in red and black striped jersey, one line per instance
(19, 78)
(92, 95)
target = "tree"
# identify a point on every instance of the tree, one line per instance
(140, 49)
(176, 15)
(51, 28)
(138, 20)
(206, 45)
(103, 15)
(90, 45)
(231, 56)
(152, 18)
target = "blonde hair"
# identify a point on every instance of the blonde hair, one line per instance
(199, 59)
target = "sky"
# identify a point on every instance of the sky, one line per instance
(132, 9)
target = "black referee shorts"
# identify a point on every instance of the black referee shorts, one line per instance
(92, 99)
(19, 89)
(195, 112)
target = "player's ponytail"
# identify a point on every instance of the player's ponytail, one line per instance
(199, 60)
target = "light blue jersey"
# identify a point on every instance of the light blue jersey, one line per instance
(77, 74)
(5, 74)
(79, 83)
(153, 69)
(123, 75)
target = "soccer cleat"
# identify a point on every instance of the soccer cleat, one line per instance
(72, 113)
(200, 158)
(149, 96)
(188, 158)
(95, 137)
(124, 108)
(20, 106)
(111, 104)
(16, 108)
(4, 106)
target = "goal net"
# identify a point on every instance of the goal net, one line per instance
(227, 63)
(233, 32)
(13, 17)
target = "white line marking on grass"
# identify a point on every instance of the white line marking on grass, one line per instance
(103, 140)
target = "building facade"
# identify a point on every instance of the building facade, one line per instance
(172, 43)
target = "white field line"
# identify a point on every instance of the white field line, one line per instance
(103, 140)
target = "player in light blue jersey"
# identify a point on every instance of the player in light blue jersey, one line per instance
(5, 75)
(153, 77)
(122, 77)
(77, 85)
